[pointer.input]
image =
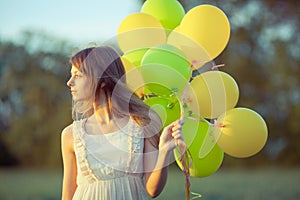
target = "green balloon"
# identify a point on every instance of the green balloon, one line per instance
(165, 69)
(168, 12)
(169, 55)
(167, 108)
(135, 56)
(162, 80)
(194, 133)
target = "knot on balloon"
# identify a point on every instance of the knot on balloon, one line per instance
(216, 124)
(195, 62)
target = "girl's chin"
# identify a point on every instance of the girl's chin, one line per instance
(80, 100)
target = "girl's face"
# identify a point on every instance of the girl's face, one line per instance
(79, 85)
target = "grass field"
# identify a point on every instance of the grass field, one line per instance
(259, 184)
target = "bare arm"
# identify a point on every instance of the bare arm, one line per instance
(69, 162)
(156, 161)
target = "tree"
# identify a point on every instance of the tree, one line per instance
(33, 94)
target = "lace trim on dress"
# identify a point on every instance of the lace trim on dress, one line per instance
(81, 155)
(134, 146)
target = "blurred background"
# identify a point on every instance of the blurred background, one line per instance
(37, 38)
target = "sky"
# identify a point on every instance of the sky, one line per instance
(78, 21)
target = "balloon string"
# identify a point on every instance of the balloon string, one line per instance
(195, 62)
(186, 158)
(186, 164)
(214, 124)
(196, 195)
(217, 66)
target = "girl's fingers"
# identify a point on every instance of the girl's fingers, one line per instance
(177, 127)
(177, 135)
(178, 122)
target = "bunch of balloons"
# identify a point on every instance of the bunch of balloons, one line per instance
(162, 46)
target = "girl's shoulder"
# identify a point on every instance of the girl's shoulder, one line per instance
(67, 132)
(67, 137)
(68, 129)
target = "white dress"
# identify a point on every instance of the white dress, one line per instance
(109, 166)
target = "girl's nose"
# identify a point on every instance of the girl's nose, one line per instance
(70, 82)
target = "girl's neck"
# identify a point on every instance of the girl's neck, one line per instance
(105, 123)
(102, 115)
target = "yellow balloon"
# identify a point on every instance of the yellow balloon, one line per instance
(242, 132)
(140, 30)
(134, 78)
(212, 93)
(209, 26)
(194, 52)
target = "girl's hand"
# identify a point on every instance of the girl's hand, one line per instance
(171, 136)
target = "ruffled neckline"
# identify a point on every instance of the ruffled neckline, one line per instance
(82, 127)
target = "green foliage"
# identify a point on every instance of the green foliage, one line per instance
(37, 104)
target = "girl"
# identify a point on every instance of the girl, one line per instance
(114, 149)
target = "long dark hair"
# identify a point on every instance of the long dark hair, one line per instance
(105, 70)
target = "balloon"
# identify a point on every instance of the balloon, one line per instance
(174, 60)
(135, 56)
(167, 108)
(140, 30)
(134, 78)
(194, 52)
(215, 92)
(169, 13)
(169, 55)
(162, 79)
(209, 26)
(194, 133)
(242, 132)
